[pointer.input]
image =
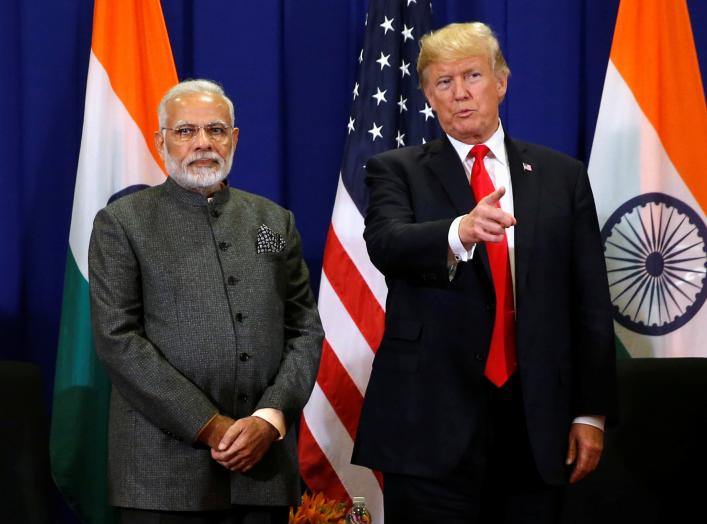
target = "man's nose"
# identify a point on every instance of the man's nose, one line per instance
(460, 92)
(201, 140)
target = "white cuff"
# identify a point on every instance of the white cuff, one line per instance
(597, 422)
(461, 254)
(274, 417)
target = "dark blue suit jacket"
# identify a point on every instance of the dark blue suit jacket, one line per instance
(425, 400)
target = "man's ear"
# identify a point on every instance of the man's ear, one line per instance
(159, 143)
(501, 85)
(428, 98)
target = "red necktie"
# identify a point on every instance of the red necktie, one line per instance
(501, 361)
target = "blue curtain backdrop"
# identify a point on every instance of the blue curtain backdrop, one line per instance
(289, 66)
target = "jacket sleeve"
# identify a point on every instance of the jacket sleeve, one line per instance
(399, 244)
(137, 368)
(594, 352)
(293, 383)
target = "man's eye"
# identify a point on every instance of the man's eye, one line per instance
(443, 83)
(185, 132)
(216, 131)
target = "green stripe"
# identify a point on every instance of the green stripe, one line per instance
(621, 351)
(75, 364)
(79, 430)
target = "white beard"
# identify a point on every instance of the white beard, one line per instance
(190, 177)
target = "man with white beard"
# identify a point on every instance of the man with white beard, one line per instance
(205, 321)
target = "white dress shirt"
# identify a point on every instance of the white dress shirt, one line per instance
(496, 163)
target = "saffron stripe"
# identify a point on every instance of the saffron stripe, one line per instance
(141, 68)
(653, 44)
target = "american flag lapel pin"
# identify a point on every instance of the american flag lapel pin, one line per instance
(527, 167)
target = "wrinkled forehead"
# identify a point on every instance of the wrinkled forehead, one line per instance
(456, 64)
(198, 108)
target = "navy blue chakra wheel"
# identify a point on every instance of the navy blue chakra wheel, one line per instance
(656, 260)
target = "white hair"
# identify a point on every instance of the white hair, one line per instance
(193, 86)
(191, 177)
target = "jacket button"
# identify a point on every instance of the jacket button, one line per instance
(480, 356)
(244, 357)
(242, 397)
(232, 281)
(223, 246)
(239, 318)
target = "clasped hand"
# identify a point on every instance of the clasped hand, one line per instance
(486, 222)
(245, 442)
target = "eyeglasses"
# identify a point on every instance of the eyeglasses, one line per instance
(187, 132)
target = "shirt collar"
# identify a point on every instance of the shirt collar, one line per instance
(495, 143)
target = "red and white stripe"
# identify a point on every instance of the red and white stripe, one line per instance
(352, 306)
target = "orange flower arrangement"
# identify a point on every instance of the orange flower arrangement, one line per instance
(317, 509)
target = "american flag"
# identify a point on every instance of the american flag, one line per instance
(388, 110)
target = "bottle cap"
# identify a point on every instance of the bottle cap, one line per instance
(359, 500)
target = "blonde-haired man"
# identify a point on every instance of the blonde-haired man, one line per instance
(496, 371)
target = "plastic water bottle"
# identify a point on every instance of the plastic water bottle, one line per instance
(358, 513)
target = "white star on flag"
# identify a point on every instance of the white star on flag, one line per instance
(355, 91)
(402, 104)
(405, 69)
(399, 139)
(427, 112)
(379, 96)
(376, 132)
(360, 57)
(527, 167)
(351, 125)
(411, 2)
(407, 33)
(383, 60)
(387, 25)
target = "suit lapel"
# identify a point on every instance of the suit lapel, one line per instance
(444, 163)
(525, 180)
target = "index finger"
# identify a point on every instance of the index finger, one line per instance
(231, 435)
(493, 198)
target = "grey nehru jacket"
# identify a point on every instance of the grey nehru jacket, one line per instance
(196, 311)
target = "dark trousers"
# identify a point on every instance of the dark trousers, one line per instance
(496, 482)
(236, 515)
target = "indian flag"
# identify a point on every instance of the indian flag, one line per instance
(648, 168)
(130, 68)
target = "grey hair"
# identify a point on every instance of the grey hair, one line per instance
(193, 86)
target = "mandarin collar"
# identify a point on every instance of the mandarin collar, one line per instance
(197, 199)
